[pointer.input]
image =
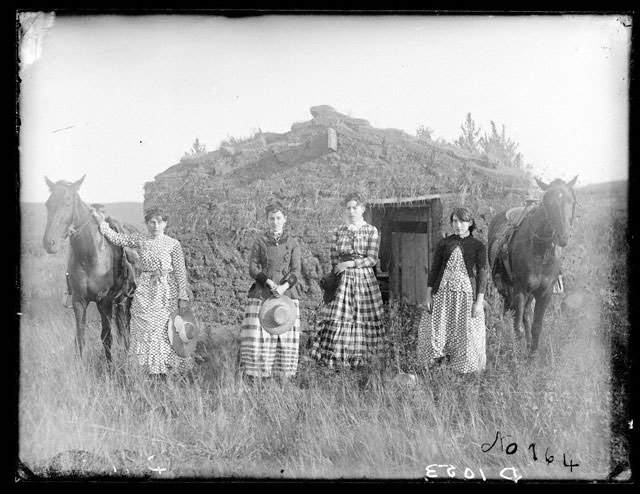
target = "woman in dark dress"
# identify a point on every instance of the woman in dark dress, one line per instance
(274, 264)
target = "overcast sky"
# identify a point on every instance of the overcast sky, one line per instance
(121, 99)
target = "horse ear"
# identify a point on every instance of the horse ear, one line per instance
(541, 184)
(573, 182)
(50, 184)
(76, 185)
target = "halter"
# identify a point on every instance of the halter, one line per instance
(554, 233)
(73, 231)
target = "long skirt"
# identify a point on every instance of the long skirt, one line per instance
(150, 346)
(351, 331)
(263, 354)
(450, 331)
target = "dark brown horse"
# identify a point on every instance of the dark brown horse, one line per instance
(522, 255)
(95, 266)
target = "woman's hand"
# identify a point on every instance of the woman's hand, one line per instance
(280, 289)
(340, 267)
(272, 286)
(477, 307)
(98, 215)
(428, 301)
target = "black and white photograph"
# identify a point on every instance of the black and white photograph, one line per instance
(290, 246)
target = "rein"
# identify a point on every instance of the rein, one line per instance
(546, 218)
(73, 231)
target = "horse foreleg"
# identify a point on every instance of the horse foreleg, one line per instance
(105, 307)
(538, 315)
(80, 313)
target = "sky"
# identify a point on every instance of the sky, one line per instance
(121, 98)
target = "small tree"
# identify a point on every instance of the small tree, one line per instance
(501, 149)
(196, 148)
(424, 133)
(469, 138)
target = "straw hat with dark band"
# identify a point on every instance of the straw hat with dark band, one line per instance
(277, 314)
(183, 333)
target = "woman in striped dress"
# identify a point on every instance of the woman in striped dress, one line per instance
(274, 264)
(452, 327)
(161, 288)
(351, 324)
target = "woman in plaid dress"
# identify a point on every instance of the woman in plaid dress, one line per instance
(452, 327)
(161, 288)
(351, 324)
(275, 265)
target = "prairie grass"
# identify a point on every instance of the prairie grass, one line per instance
(86, 418)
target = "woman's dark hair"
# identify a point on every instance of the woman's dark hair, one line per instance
(464, 214)
(274, 207)
(155, 211)
(353, 196)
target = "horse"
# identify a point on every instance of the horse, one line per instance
(96, 269)
(522, 245)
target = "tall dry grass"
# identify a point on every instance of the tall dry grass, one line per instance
(83, 417)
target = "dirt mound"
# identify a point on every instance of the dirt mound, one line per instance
(217, 199)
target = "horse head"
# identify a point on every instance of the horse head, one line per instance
(61, 208)
(559, 203)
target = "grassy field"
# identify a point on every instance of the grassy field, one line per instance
(552, 419)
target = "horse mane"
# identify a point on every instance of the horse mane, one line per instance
(121, 226)
(557, 181)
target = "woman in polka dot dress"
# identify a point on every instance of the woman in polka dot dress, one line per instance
(161, 288)
(452, 326)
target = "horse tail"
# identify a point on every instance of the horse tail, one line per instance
(497, 252)
(498, 228)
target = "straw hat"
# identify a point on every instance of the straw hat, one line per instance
(183, 333)
(277, 314)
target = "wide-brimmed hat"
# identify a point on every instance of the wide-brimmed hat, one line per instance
(183, 332)
(277, 314)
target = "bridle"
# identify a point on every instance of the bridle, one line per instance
(73, 231)
(554, 232)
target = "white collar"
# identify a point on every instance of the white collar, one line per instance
(354, 226)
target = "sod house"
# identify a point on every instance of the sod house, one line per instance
(216, 201)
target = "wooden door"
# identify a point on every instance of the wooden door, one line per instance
(409, 267)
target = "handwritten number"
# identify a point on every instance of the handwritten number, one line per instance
(571, 463)
(532, 447)
(513, 447)
(548, 459)
(430, 472)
